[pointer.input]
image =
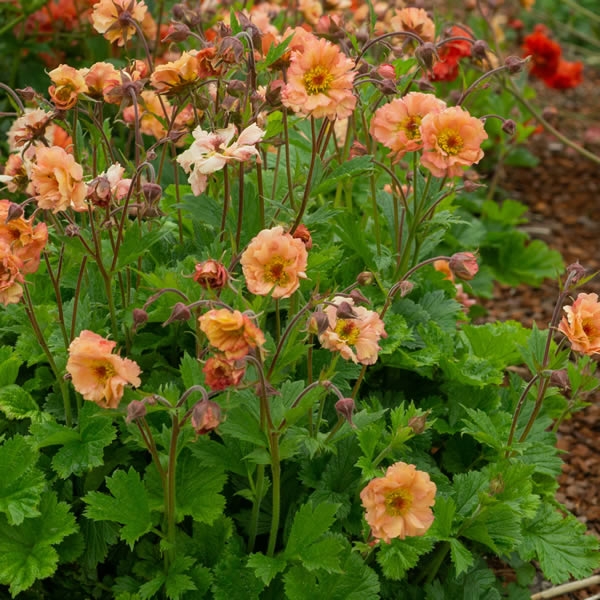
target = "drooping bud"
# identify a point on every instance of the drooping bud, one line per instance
(479, 49)
(388, 87)
(211, 274)
(27, 93)
(236, 88)
(177, 32)
(359, 297)
(576, 271)
(345, 408)
(406, 287)
(15, 211)
(318, 323)
(426, 54)
(509, 126)
(470, 186)
(152, 192)
(72, 230)
(180, 312)
(425, 85)
(464, 265)
(303, 234)
(140, 316)
(560, 379)
(206, 416)
(231, 50)
(136, 409)
(365, 278)
(386, 71)
(418, 424)
(358, 149)
(345, 311)
(514, 64)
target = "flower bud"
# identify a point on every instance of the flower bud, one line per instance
(72, 230)
(177, 32)
(318, 323)
(303, 234)
(365, 278)
(496, 485)
(514, 64)
(358, 149)
(386, 71)
(27, 93)
(418, 424)
(345, 311)
(345, 407)
(15, 211)
(231, 50)
(236, 88)
(470, 186)
(206, 416)
(425, 86)
(211, 274)
(479, 49)
(509, 126)
(273, 93)
(180, 312)
(464, 265)
(388, 87)
(560, 379)
(152, 192)
(136, 409)
(359, 297)
(426, 54)
(406, 287)
(140, 316)
(576, 271)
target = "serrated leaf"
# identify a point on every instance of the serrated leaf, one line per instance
(561, 545)
(233, 579)
(266, 567)
(310, 523)
(276, 51)
(128, 505)
(497, 342)
(497, 526)
(21, 484)
(190, 370)
(137, 241)
(27, 550)
(10, 362)
(491, 430)
(468, 486)
(462, 559)
(350, 168)
(397, 557)
(17, 403)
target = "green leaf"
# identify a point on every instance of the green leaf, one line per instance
(128, 505)
(266, 567)
(190, 370)
(17, 403)
(497, 342)
(497, 526)
(233, 579)
(21, 484)
(10, 362)
(491, 430)
(561, 545)
(397, 557)
(27, 550)
(198, 490)
(462, 559)
(138, 240)
(276, 51)
(351, 168)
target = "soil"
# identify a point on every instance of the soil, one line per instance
(563, 196)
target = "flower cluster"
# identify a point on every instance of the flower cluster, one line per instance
(547, 62)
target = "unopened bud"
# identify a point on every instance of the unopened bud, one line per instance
(359, 297)
(27, 93)
(152, 192)
(406, 287)
(318, 323)
(231, 50)
(386, 71)
(496, 485)
(180, 312)
(470, 186)
(426, 54)
(387, 87)
(560, 379)
(136, 409)
(509, 126)
(345, 407)
(177, 32)
(206, 416)
(576, 271)
(140, 316)
(365, 278)
(72, 230)
(464, 265)
(479, 49)
(425, 85)
(273, 93)
(358, 149)
(211, 274)
(549, 112)
(345, 311)
(236, 88)
(15, 211)
(514, 64)
(418, 424)
(303, 234)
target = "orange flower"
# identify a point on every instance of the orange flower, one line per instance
(151, 114)
(451, 140)
(96, 373)
(581, 324)
(115, 19)
(399, 504)
(567, 75)
(414, 20)
(31, 126)
(173, 77)
(463, 265)
(222, 372)
(68, 84)
(273, 263)
(320, 81)
(99, 76)
(11, 278)
(355, 336)
(397, 124)
(211, 274)
(25, 241)
(232, 332)
(57, 180)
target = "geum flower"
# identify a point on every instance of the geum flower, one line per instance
(399, 504)
(545, 53)
(451, 140)
(273, 263)
(450, 53)
(96, 373)
(355, 336)
(68, 83)
(319, 82)
(581, 324)
(115, 19)
(397, 124)
(11, 277)
(231, 332)
(210, 152)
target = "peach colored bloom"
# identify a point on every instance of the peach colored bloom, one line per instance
(57, 180)
(320, 82)
(232, 332)
(356, 337)
(98, 374)
(464, 265)
(581, 324)
(16, 176)
(68, 84)
(99, 76)
(206, 416)
(273, 263)
(29, 127)
(175, 76)
(451, 140)
(311, 10)
(397, 124)
(24, 240)
(443, 266)
(399, 504)
(114, 19)
(11, 278)
(222, 372)
(151, 114)
(414, 20)
(211, 274)
(210, 152)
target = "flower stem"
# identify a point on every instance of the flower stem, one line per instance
(276, 492)
(259, 488)
(170, 491)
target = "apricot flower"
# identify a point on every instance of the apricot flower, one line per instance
(414, 20)
(173, 77)
(115, 19)
(320, 81)
(399, 504)
(221, 372)
(97, 374)
(354, 336)
(57, 180)
(231, 331)
(397, 124)
(451, 140)
(273, 263)
(581, 324)
(11, 278)
(68, 84)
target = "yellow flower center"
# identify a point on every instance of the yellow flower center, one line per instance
(348, 331)
(317, 80)
(398, 502)
(410, 126)
(104, 372)
(450, 142)
(275, 271)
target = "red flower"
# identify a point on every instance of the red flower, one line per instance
(446, 69)
(567, 75)
(545, 53)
